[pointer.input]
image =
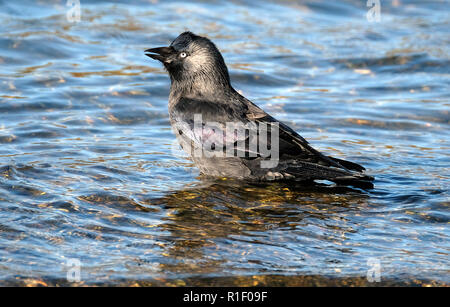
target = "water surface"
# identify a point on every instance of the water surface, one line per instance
(90, 169)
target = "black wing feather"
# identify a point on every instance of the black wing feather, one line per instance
(291, 144)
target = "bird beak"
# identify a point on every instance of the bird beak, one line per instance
(162, 54)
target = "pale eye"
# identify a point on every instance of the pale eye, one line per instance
(183, 54)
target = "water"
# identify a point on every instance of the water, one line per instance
(90, 171)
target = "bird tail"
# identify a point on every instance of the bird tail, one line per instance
(310, 171)
(349, 165)
(357, 180)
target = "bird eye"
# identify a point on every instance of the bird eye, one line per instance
(183, 54)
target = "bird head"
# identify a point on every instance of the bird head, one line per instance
(192, 59)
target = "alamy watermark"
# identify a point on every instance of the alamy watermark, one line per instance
(374, 13)
(231, 139)
(374, 271)
(74, 12)
(73, 267)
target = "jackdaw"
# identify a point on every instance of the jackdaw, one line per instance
(227, 135)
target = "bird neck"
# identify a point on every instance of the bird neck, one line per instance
(201, 85)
